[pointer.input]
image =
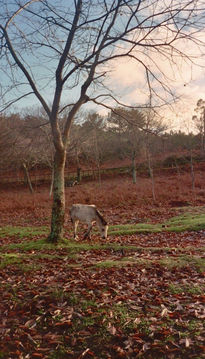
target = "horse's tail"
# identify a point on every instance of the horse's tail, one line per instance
(99, 215)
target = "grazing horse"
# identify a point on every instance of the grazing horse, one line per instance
(88, 214)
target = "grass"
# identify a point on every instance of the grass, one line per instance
(195, 290)
(17, 260)
(122, 262)
(29, 245)
(128, 229)
(9, 259)
(70, 245)
(22, 232)
(169, 262)
(185, 222)
(183, 261)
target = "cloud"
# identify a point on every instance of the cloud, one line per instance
(182, 73)
(128, 81)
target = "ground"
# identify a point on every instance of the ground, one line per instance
(140, 294)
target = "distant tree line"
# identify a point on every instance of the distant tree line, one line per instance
(26, 139)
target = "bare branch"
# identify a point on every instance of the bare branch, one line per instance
(24, 70)
(14, 101)
(17, 12)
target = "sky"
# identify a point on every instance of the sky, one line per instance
(185, 78)
(128, 82)
(189, 87)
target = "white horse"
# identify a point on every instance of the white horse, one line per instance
(88, 214)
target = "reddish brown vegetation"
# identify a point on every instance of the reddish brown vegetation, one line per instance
(59, 306)
(118, 197)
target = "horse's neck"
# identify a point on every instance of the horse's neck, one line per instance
(99, 222)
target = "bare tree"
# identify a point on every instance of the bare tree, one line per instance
(199, 121)
(93, 147)
(127, 125)
(25, 142)
(60, 51)
(8, 139)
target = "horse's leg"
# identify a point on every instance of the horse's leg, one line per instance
(75, 229)
(87, 233)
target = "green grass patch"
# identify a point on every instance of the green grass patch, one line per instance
(17, 260)
(125, 261)
(9, 259)
(191, 289)
(39, 244)
(73, 247)
(21, 232)
(170, 262)
(186, 222)
(183, 261)
(128, 229)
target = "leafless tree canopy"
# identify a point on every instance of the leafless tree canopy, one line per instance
(74, 42)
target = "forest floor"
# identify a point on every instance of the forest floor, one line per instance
(139, 294)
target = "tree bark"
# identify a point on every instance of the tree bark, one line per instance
(58, 209)
(51, 185)
(203, 145)
(192, 172)
(28, 180)
(79, 177)
(152, 177)
(134, 176)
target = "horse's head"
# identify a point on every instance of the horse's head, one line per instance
(103, 231)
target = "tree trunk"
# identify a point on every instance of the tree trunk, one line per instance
(152, 177)
(134, 177)
(192, 172)
(28, 180)
(79, 177)
(99, 174)
(58, 209)
(51, 185)
(203, 145)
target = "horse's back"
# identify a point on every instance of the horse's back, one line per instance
(83, 212)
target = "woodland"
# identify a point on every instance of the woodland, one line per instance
(132, 137)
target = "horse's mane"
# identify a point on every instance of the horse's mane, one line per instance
(104, 222)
